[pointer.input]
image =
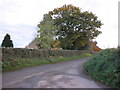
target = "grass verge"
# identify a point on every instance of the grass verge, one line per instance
(105, 67)
(22, 63)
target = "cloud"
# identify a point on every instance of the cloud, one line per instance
(20, 34)
(20, 17)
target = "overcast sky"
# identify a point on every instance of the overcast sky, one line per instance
(19, 18)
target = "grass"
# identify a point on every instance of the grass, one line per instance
(22, 63)
(105, 67)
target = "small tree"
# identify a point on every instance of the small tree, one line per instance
(46, 33)
(7, 42)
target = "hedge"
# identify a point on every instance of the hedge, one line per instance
(105, 67)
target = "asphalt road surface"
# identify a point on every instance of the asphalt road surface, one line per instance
(68, 74)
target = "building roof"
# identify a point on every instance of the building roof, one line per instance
(32, 44)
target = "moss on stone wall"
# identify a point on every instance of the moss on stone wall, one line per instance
(21, 53)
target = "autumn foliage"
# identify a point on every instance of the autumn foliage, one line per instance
(95, 47)
(70, 26)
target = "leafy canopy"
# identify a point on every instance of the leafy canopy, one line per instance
(74, 28)
(46, 32)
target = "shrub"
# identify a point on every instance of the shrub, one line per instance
(105, 67)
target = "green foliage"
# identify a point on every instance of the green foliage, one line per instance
(75, 28)
(46, 33)
(105, 67)
(7, 42)
(22, 63)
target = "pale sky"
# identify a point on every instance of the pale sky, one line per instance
(19, 18)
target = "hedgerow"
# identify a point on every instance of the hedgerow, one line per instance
(105, 67)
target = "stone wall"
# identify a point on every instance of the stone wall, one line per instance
(20, 53)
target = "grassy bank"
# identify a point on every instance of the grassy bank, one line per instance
(22, 63)
(105, 67)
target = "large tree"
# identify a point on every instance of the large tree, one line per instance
(75, 28)
(46, 33)
(7, 42)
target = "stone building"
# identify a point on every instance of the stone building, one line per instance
(32, 45)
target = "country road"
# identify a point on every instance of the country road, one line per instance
(68, 74)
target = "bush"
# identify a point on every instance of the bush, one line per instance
(105, 67)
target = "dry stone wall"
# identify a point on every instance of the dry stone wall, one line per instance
(24, 53)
